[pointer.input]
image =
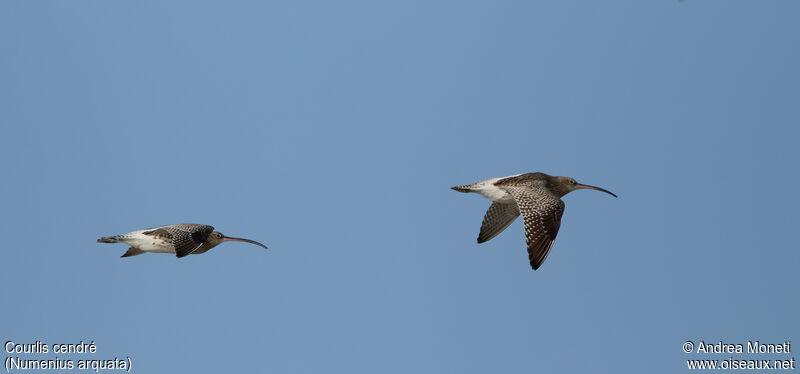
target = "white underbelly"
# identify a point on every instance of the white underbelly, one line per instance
(147, 243)
(492, 192)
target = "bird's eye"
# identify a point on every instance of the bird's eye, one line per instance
(219, 235)
(572, 181)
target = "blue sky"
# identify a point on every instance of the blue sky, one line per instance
(332, 131)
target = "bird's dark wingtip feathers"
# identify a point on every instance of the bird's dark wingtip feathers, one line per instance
(535, 265)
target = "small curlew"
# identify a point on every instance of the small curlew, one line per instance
(537, 196)
(182, 240)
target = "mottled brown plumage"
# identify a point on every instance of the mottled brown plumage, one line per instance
(182, 240)
(537, 196)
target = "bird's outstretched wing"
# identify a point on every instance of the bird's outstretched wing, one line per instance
(187, 238)
(497, 218)
(541, 213)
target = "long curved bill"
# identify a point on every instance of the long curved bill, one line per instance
(229, 239)
(588, 187)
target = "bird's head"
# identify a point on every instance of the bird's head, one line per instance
(215, 238)
(561, 186)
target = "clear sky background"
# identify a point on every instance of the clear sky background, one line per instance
(332, 132)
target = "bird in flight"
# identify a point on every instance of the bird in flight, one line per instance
(537, 196)
(182, 240)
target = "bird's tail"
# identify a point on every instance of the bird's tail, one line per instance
(465, 188)
(108, 239)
